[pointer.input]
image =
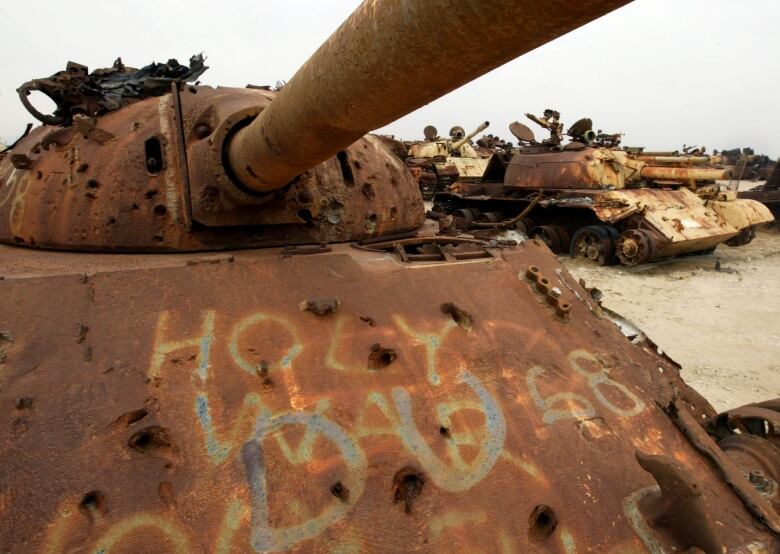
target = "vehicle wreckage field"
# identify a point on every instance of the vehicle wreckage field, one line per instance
(721, 326)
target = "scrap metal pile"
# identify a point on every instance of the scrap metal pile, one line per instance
(353, 379)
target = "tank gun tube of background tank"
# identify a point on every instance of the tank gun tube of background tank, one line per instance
(456, 146)
(371, 72)
(687, 160)
(683, 173)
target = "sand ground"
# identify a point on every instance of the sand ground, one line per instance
(723, 326)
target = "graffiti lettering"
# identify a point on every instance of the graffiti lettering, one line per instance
(569, 405)
(267, 538)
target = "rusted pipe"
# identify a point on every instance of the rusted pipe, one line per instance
(384, 62)
(686, 160)
(683, 173)
(470, 136)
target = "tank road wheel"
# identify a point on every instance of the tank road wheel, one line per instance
(634, 247)
(490, 217)
(564, 238)
(594, 243)
(549, 235)
(745, 236)
(469, 214)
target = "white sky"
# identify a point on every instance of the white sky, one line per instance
(665, 72)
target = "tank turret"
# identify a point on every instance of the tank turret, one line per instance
(202, 168)
(457, 145)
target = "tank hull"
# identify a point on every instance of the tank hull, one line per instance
(676, 221)
(197, 407)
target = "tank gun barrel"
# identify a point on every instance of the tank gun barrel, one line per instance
(683, 173)
(470, 136)
(371, 72)
(688, 160)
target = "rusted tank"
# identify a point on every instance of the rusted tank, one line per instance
(748, 165)
(605, 203)
(438, 162)
(767, 193)
(343, 385)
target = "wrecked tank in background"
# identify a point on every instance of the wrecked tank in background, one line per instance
(748, 166)
(767, 193)
(605, 203)
(438, 162)
(342, 383)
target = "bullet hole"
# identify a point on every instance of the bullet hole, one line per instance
(160, 210)
(82, 168)
(93, 184)
(18, 239)
(151, 193)
(90, 195)
(304, 197)
(306, 216)
(128, 418)
(541, 523)
(407, 486)
(368, 320)
(262, 372)
(158, 238)
(134, 206)
(393, 213)
(155, 162)
(81, 333)
(357, 164)
(153, 440)
(111, 220)
(322, 306)
(24, 403)
(166, 493)
(346, 171)
(461, 317)
(93, 504)
(368, 190)
(340, 491)
(201, 130)
(445, 432)
(381, 357)
(39, 175)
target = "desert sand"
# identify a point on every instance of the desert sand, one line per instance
(723, 326)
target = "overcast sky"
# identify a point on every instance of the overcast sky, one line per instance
(664, 72)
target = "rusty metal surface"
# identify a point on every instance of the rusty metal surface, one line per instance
(685, 223)
(75, 91)
(742, 212)
(678, 160)
(77, 192)
(351, 85)
(412, 414)
(683, 173)
(581, 168)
